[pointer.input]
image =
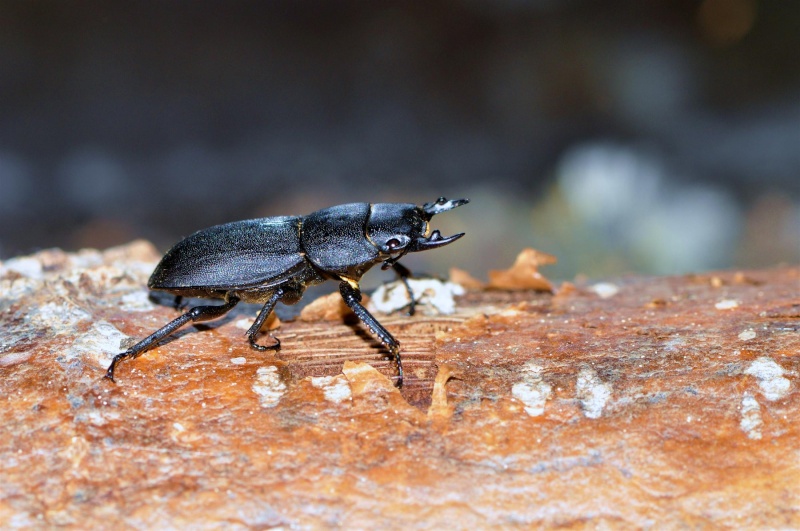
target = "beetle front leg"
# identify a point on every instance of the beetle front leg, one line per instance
(259, 322)
(352, 297)
(195, 315)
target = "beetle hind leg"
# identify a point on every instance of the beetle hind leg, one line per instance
(195, 315)
(259, 322)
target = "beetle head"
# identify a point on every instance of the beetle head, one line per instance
(399, 228)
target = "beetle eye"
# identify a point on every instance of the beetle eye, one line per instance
(395, 244)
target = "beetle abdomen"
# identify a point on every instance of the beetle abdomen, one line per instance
(234, 255)
(335, 239)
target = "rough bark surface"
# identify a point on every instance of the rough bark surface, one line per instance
(643, 402)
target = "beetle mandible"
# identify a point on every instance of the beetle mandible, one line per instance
(274, 259)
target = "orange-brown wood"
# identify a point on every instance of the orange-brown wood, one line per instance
(637, 402)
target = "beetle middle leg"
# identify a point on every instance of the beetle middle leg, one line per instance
(352, 297)
(195, 315)
(179, 303)
(403, 272)
(259, 322)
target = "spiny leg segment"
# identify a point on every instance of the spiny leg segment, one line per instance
(259, 322)
(352, 297)
(195, 315)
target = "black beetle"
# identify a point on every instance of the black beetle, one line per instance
(274, 259)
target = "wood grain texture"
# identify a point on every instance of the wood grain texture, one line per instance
(641, 402)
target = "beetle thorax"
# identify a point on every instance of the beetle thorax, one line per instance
(392, 227)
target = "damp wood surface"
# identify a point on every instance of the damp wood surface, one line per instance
(636, 402)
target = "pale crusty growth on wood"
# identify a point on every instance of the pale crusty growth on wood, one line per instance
(660, 405)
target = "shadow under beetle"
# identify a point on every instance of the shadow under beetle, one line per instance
(269, 260)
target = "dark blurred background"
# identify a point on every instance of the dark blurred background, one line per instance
(654, 137)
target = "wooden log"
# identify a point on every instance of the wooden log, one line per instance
(639, 402)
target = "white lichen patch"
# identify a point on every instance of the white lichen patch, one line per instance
(27, 266)
(605, 290)
(532, 391)
(727, 304)
(97, 417)
(97, 345)
(335, 388)
(751, 422)
(243, 324)
(18, 288)
(137, 301)
(110, 279)
(770, 378)
(241, 360)
(58, 317)
(85, 259)
(592, 392)
(747, 335)
(429, 294)
(268, 386)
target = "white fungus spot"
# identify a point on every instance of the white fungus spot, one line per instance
(100, 343)
(137, 301)
(98, 417)
(268, 386)
(751, 422)
(429, 293)
(335, 388)
(726, 304)
(89, 258)
(747, 335)
(243, 324)
(241, 360)
(26, 266)
(14, 290)
(532, 391)
(605, 290)
(59, 317)
(770, 378)
(592, 393)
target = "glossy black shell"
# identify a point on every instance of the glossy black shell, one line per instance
(259, 254)
(335, 240)
(239, 255)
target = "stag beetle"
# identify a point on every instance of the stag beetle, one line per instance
(274, 259)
